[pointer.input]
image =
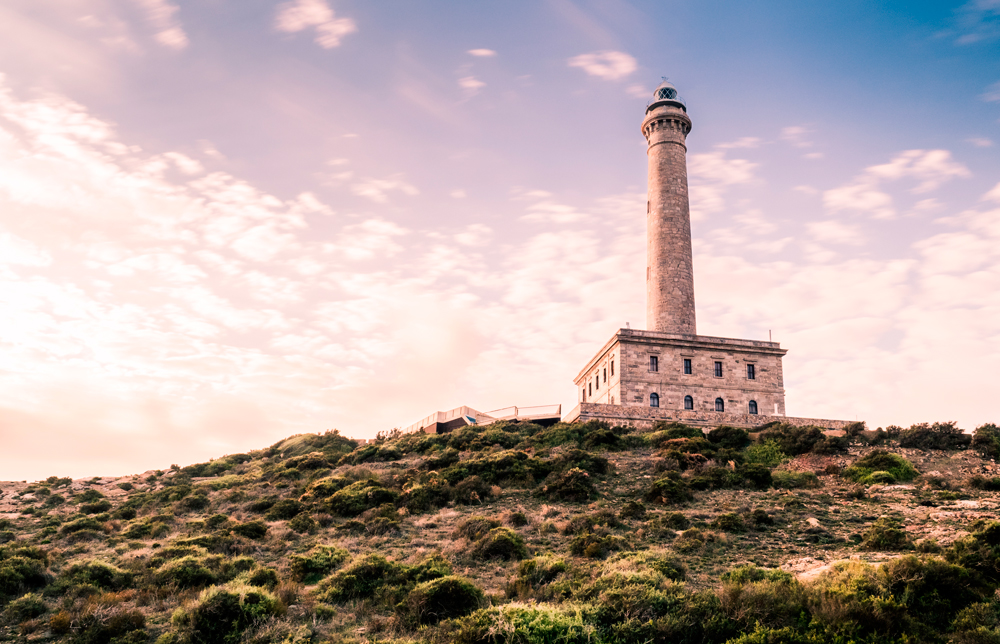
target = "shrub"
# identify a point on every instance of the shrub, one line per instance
(880, 461)
(728, 437)
(222, 613)
(767, 453)
(986, 441)
(367, 576)
(500, 543)
(284, 509)
(19, 573)
(96, 507)
(312, 567)
(886, 534)
(754, 596)
(794, 480)
(515, 519)
(945, 436)
(27, 607)
(596, 545)
(633, 510)
(112, 625)
(186, 572)
(472, 490)
(250, 529)
(194, 503)
(303, 523)
(729, 522)
(443, 598)
(533, 575)
(669, 490)
(358, 497)
(664, 431)
(80, 525)
(793, 440)
(572, 485)
(263, 577)
(97, 573)
(980, 482)
(474, 527)
(530, 624)
(587, 522)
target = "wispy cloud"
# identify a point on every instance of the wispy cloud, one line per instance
(482, 53)
(978, 21)
(301, 14)
(930, 168)
(992, 93)
(161, 14)
(712, 174)
(378, 189)
(980, 142)
(607, 65)
(471, 84)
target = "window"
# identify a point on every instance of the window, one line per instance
(583, 394)
(612, 400)
(612, 365)
(654, 363)
(590, 392)
(597, 380)
(718, 369)
(751, 372)
(688, 402)
(605, 375)
(753, 407)
(654, 400)
(720, 405)
(687, 366)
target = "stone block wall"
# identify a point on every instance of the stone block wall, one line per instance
(645, 417)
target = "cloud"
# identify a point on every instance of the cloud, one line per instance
(835, 232)
(378, 189)
(711, 175)
(978, 21)
(743, 142)
(930, 168)
(482, 53)
(607, 65)
(471, 84)
(992, 93)
(295, 16)
(980, 142)
(795, 135)
(161, 15)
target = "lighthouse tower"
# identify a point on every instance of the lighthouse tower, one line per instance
(669, 372)
(669, 267)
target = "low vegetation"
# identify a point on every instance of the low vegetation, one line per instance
(516, 532)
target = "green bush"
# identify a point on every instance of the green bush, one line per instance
(880, 461)
(368, 576)
(222, 614)
(20, 573)
(250, 529)
(283, 510)
(318, 563)
(979, 482)
(24, 608)
(112, 625)
(533, 578)
(474, 527)
(523, 624)
(727, 437)
(794, 480)
(471, 491)
(500, 543)
(767, 453)
(794, 440)
(186, 572)
(986, 441)
(669, 490)
(303, 523)
(263, 577)
(97, 573)
(80, 525)
(574, 485)
(886, 534)
(596, 545)
(96, 507)
(633, 510)
(946, 436)
(358, 497)
(729, 522)
(438, 599)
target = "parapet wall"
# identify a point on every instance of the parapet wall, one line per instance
(643, 417)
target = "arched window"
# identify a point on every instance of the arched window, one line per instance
(753, 407)
(688, 402)
(654, 400)
(720, 405)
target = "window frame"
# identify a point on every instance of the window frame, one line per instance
(718, 369)
(753, 408)
(688, 367)
(751, 371)
(689, 400)
(654, 364)
(654, 400)
(720, 405)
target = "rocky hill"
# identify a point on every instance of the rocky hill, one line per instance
(515, 532)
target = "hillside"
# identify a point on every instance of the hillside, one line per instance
(519, 533)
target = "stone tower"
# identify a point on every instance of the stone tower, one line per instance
(669, 267)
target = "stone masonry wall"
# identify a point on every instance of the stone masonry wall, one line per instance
(645, 417)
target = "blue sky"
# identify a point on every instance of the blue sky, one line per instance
(222, 222)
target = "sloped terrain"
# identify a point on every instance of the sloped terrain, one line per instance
(518, 533)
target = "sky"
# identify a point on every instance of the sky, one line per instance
(223, 222)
